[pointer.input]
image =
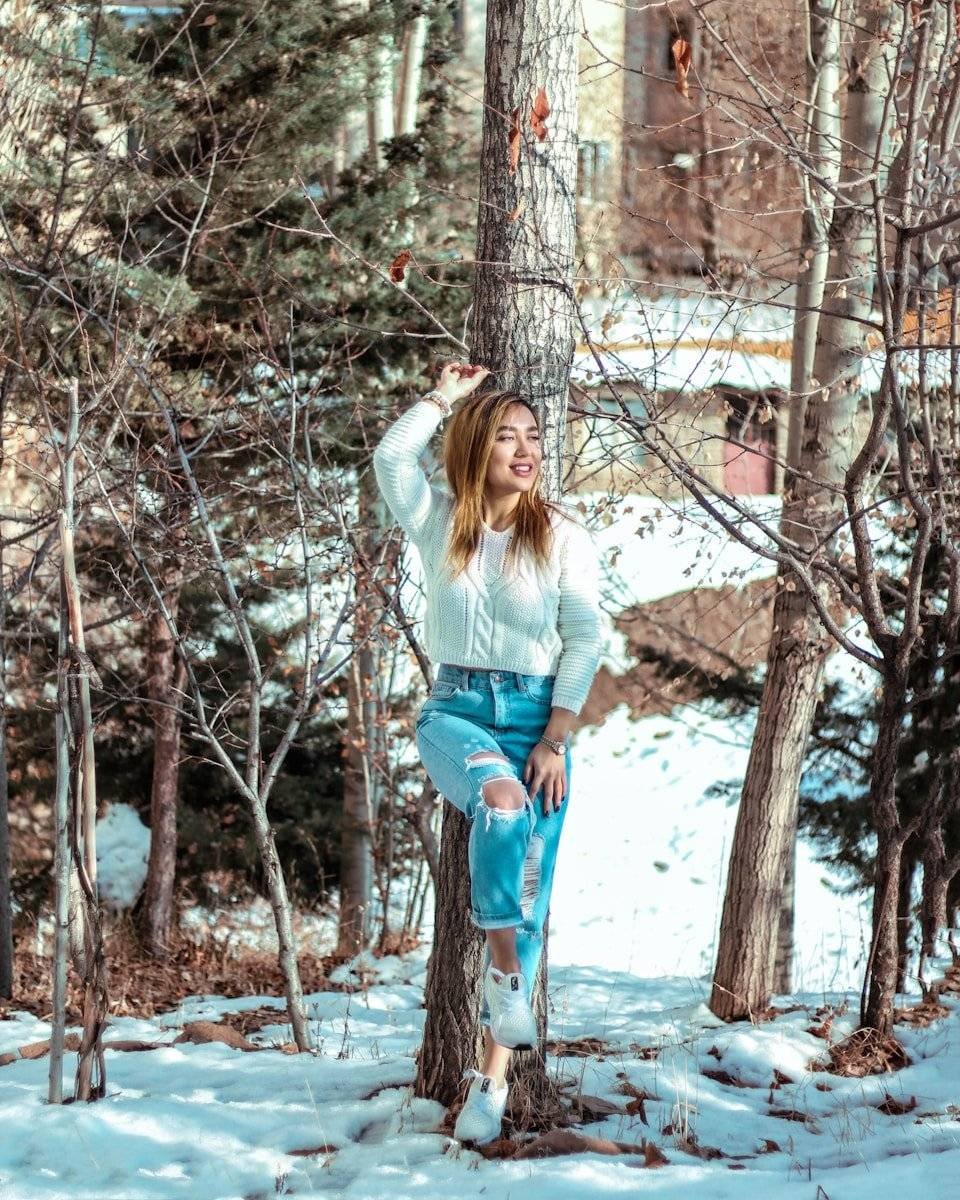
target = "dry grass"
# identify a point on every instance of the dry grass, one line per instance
(864, 1052)
(142, 986)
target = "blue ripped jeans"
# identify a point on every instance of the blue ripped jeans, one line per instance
(512, 853)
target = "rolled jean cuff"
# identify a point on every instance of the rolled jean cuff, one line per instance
(496, 922)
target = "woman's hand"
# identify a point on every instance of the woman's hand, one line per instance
(460, 379)
(547, 769)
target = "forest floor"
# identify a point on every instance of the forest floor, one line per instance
(205, 1102)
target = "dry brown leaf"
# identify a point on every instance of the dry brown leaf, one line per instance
(518, 210)
(584, 1047)
(539, 114)
(398, 268)
(595, 1107)
(682, 53)
(38, 1049)
(724, 1077)
(131, 1045)
(896, 1108)
(201, 1032)
(637, 1108)
(567, 1141)
(653, 1156)
(514, 141)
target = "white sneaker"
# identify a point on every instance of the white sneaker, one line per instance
(479, 1119)
(512, 1023)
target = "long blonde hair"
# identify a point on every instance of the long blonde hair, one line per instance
(467, 447)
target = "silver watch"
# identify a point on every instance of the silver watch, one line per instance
(558, 747)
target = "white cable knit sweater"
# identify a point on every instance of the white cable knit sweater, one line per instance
(541, 622)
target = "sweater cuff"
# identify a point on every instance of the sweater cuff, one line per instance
(568, 700)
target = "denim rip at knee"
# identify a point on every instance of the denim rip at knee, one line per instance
(477, 727)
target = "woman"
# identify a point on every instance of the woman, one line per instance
(512, 620)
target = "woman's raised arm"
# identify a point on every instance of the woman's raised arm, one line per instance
(396, 463)
(396, 460)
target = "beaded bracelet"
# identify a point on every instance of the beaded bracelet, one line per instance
(434, 396)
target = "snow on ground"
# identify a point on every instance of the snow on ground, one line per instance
(641, 867)
(638, 886)
(212, 1123)
(633, 925)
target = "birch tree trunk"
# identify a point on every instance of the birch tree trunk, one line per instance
(408, 99)
(523, 330)
(380, 96)
(90, 1080)
(767, 816)
(823, 146)
(61, 868)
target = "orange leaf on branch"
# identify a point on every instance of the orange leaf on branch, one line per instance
(514, 141)
(682, 53)
(539, 114)
(398, 268)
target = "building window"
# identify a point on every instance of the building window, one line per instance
(593, 158)
(751, 445)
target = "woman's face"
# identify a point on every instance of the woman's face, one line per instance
(515, 457)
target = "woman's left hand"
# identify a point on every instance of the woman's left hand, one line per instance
(547, 769)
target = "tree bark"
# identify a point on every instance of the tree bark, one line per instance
(61, 868)
(409, 98)
(876, 1007)
(452, 1038)
(361, 781)
(90, 1079)
(166, 679)
(380, 96)
(907, 868)
(6, 865)
(813, 506)
(359, 808)
(783, 964)
(523, 331)
(823, 146)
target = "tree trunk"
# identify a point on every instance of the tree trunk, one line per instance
(90, 1080)
(452, 1038)
(62, 874)
(880, 985)
(357, 827)
(904, 890)
(523, 331)
(6, 865)
(783, 964)
(823, 145)
(743, 978)
(361, 782)
(409, 98)
(166, 678)
(767, 818)
(380, 95)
